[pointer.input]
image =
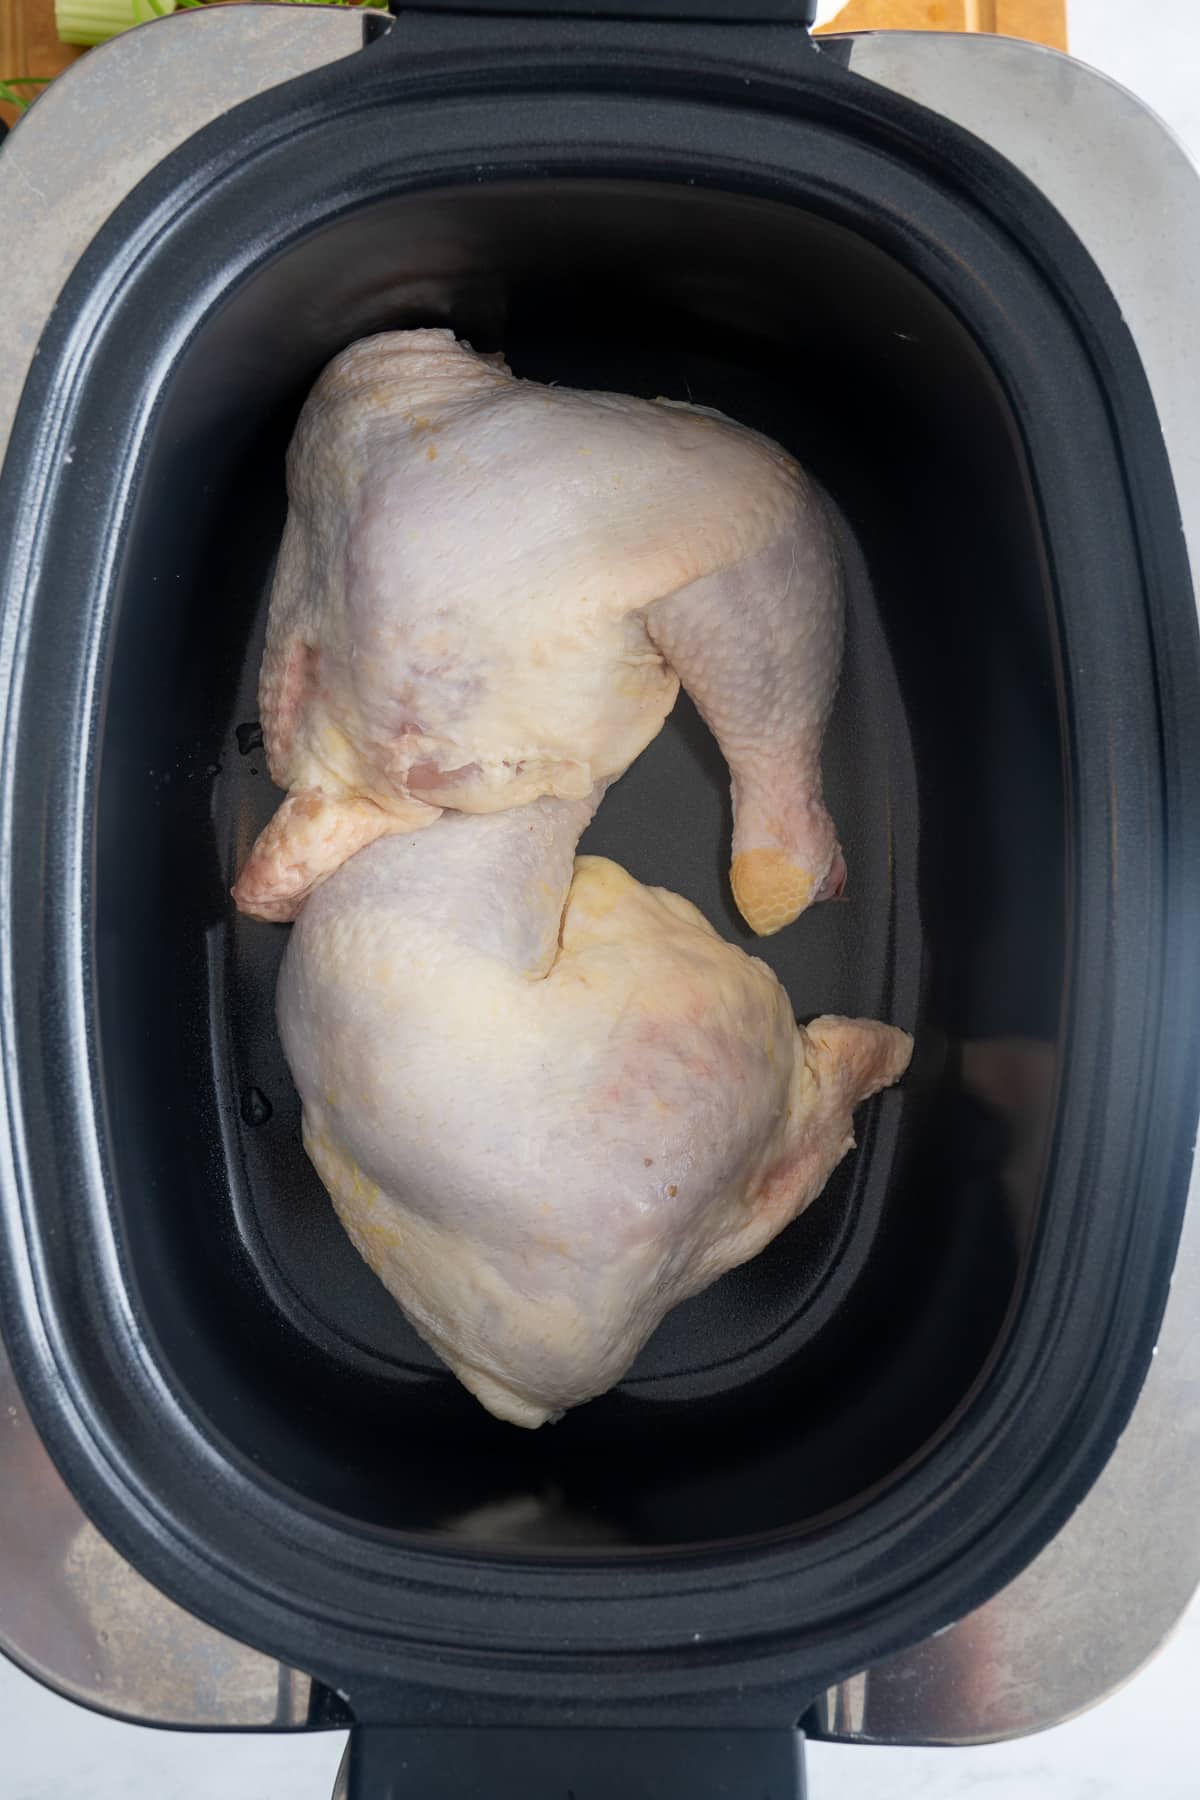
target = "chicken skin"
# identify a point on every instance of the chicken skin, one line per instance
(550, 1103)
(489, 592)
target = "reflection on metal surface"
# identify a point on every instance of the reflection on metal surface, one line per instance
(73, 1612)
(1104, 1596)
(1092, 1609)
(74, 157)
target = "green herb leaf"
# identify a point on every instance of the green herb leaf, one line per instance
(11, 84)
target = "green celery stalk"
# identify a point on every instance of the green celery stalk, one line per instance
(94, 21)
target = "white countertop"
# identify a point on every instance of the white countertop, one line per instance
(1142, 1742)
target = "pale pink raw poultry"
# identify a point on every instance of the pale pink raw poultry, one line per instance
(489, 591)
(548, 1102)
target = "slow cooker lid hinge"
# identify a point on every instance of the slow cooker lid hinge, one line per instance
(585, 1764)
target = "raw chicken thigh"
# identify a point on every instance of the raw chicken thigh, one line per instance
(548, 1102)
(489, 591)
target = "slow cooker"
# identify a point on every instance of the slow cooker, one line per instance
(927, 1470)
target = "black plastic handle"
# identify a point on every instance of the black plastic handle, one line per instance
(391, 1763)
(733, 12)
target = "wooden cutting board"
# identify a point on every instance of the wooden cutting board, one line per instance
(29, 46)
(1041, 21)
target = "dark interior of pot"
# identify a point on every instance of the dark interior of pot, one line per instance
(811, 1376)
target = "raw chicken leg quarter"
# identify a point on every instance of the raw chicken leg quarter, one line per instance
(489, 591)
(550, 1103)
